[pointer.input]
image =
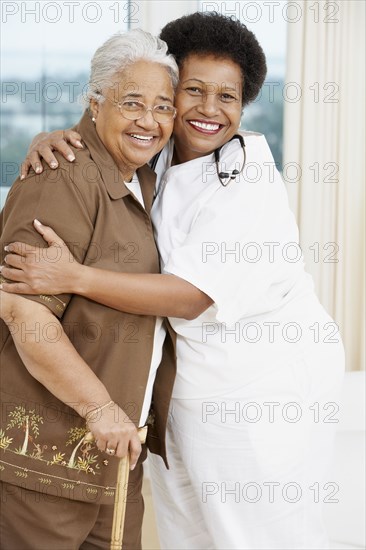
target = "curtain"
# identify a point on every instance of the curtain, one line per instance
(152, 15)
(324, 156)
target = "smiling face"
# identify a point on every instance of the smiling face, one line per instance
(132, 143)
(209, 105)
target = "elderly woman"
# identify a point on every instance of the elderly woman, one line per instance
(94, 369)
(259, 366)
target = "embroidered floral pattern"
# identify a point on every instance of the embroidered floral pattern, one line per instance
(80, 440)
(28, 421)
(84, 445)
(58, 458)
(4, 440)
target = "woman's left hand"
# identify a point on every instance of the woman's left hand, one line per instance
(35, 270)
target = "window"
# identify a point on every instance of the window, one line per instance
(46, 49)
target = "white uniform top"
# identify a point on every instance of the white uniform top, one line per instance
(159, 334)
(238, 244)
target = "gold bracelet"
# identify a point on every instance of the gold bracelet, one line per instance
(97, 410)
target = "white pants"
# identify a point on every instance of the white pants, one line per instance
(248, 470)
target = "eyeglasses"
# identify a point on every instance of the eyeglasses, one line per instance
(134, 110)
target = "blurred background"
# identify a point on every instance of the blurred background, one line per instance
(46, 52)
(311, 110)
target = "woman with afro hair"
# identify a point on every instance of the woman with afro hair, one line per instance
(258, 358)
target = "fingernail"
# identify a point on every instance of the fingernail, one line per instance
(133, 467)
(70, 158)
(1, 267)
(53, 164)
(1, 286)
(37, 222)
(22, 178)
(79, 144)
(6, 248)
(38, 170)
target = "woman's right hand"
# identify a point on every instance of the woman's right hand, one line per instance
(34, 270)
(43, 145)
(113, 430)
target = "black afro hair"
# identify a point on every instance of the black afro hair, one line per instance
(215, 34)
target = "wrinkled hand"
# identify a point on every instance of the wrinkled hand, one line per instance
(36, 270)
(112, 429)
(42, 147)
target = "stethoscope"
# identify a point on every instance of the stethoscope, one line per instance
(226, 177)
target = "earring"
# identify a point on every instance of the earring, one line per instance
(93, 119)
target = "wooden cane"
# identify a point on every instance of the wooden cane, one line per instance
(120, 498)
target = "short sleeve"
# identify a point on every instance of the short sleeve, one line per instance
(234, 251)
(54, 199)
